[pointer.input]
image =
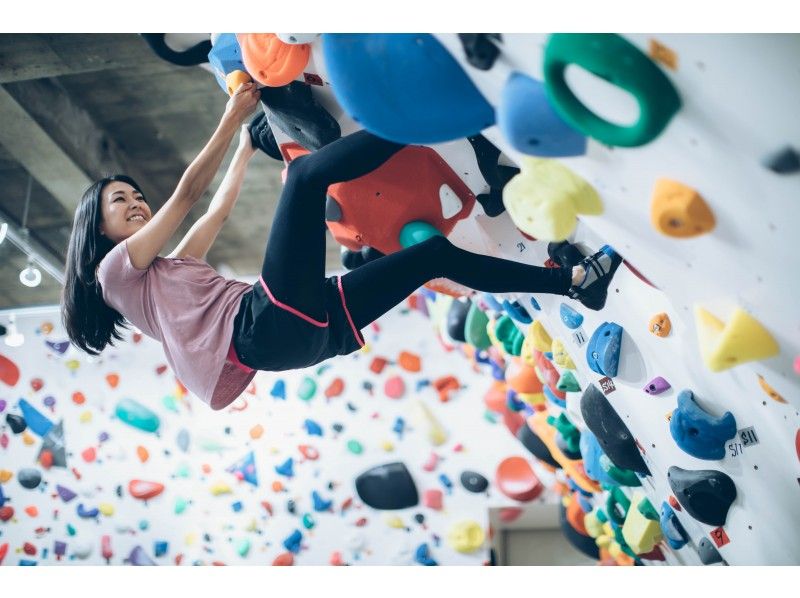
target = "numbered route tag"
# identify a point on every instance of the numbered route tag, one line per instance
(607, 385)
(747, 436)
(579, 337)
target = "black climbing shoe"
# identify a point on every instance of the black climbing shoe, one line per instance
(565, 254)
(262, 138)
(593, 294)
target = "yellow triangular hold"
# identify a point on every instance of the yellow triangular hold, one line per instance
(539, 337)
(725, 345)
(640, 533)
(436, 433)
(560, 355)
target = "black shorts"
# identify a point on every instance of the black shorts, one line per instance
(270, 335)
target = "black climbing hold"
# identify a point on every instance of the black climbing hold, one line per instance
(262, 137)
(531, 441)
(473, 481)
(355, 259)
(197, 54)
(29, 478)
(708, 553)
(480, 49)
(457, 318)
(784, 161)
(333, 211)
(419, 518)
(613, 435)
(387, 487)
(291, 506)
(565, 254)
(338, 428)
(496, 175)
(16, 423)
(118, 490)
(584, 544)
(706, 494)
(295, 111)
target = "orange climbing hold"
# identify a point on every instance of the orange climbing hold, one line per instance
(660, 325)
(335, 388)
(495, 397)
(256, 431)
(144, 490)
(773, 394)
(445, 385)
(270, 61)
(235, 79)
(32, 510)
(661, 53)
(409, 361)
(377, 364)
(575, 515)
(142, 453)
(516, 479)
(78, 398)
(679, 211)
(113, 380)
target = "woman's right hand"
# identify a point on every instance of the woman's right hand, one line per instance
(243, 102)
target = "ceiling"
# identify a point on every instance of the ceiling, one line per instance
(74, 107)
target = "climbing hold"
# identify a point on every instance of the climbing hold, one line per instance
(335, 388)
(516, 479)
(672, 528)
(270, 61)
(479, 48)
(144, 490)
(429, 98)
(444, 386)
(16, 423)
(571, 318)
(679, 211)
(395, 522)
(517, 312)
(603, 349)
(436, 433)
(612, 433)
(29, 478)
(410, 362)
(394, 387)
(641, 529)
(308, 452)
(741, 339)
(475, 328)
(531, 125)
(422, 555)
(660, 325)
(416, 232)
(708, 553)
(278, 390)
(137, 415)
(592, 452)
(619, 475)
(507, 333)
(560, 355)
(773, 394)
(466, 536)
(534, 444)
(456, 319)
(286, 468)
(312, 427)
(545, 198)
(656, 386)
(568, 383)
(293, 541)
(183, 440)
(387, 487)
(320, 504)
(706, 494)
(86, 513)
(225, 58)
(616, 60)
(245, 469)
(568, 438)
(582, 542)
(355, 447)
(473, 481)
(9, 372)
(220, 488)
(783, 161)
(138, 557)
(540, 338)
(697, 432)
(234, 80)
(307, 389)
(433, 499)
(6, 513)
(37, 422)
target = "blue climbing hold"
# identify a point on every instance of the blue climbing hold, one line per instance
(422, 555)
(312, 427)
(446, 482)
(292, 541)
(591, 451)
(602, 351)
(571, 318)
(279, 390)
(245, 469)
(516, 311)
(699, 433)
(491, 302)
(427, 99)
(225, 57)
(161, 547)
(37, 422)
(530, 123)
(672, 529)
(550, 395)
(535, 304)
(286, 468)
(320, 504)
(399, 426)
(85, 513)
(512, 402)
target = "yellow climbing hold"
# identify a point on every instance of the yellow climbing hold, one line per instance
(366, 348)
(592, 524)
(679, 211)
(560, 355)
(27, 438)
(85, 417)
(545, 198)
(773, 394)
(190, 539)
(387, 446)
(526, 353)
(466, 536)
(540, 338)
(395, 522)
(741, 339)
(220, 488)
(5, 475)
(640, 532)
(106, 509)
(436, 433)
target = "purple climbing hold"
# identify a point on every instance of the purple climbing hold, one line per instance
(138, 557)
(65, 493)
(656, 386)
(59, 347)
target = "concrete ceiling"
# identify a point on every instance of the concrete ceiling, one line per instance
(74, 107)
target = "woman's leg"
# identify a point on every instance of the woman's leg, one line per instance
(294, 262)
(374, 288)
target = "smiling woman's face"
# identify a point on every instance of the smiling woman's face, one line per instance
(124, 210)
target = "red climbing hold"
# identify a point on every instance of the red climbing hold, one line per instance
(797, 443)
(113, 380)
(516, 479)
(336, 559)
(673, 502)
(9, 372)
(37, 384)
(335, 388)
(445, 385)
(308, 451)
(285, 559)
(144, 490)
(89, 454)
(3, 552)
(6, 513)
(377, 364)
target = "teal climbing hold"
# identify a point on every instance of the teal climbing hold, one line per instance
(567, 382)
(699, 433)
(137, 415)
(475, 328)
(355, 447)
(307, 389)
(619, 62)
(417, 232)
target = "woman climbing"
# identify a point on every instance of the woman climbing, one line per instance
(217, 333)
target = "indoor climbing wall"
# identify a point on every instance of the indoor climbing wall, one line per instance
(671, 416)
(109, 460)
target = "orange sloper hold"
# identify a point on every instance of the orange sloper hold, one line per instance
(409, 361)
(444, 386)
(679, 211)
(660, 325)
(335, 388)
(270, 61)
(516, 479)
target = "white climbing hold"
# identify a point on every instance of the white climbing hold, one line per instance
(451, 204)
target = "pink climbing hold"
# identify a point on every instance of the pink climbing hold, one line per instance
(431, 463)
(394, 387)
(797, 364)
(509, 514)
(89, 454)
(432, 499)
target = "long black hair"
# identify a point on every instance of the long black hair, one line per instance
(90, 323)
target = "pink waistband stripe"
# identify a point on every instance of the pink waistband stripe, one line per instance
(289, 308)
(356, 333)
(234, 359)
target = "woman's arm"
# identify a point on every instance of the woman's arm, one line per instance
(204, 232)
(147, 243)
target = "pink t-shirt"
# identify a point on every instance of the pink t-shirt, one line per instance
(187, 306)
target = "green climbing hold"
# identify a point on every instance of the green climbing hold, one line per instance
(70, 529)
(569, 433)
(355, 447)
(619, 62)
(507, 333)
(170, 403)
(490, 417)
(308, 521)
(617, 498)
(647, 509)
(625, 477)
(180, 505)
(417, 232)
(242, 547)
(475, 328)
(308, 387)
(182, 471)
(567, 382)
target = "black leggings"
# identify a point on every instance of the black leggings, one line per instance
(294, 264)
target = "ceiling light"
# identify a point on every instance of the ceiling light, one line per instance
(14, 338)
(30, 276)
(3, 231)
